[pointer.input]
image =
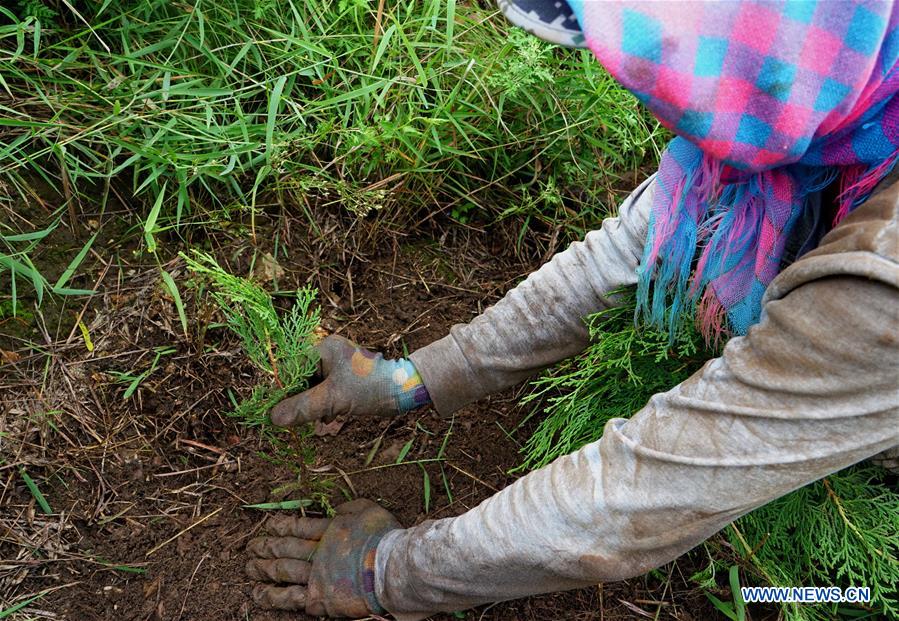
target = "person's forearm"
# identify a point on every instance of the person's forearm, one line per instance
(810, 390)
(541, 321)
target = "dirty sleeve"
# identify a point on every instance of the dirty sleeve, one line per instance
(805, 393)
(541, 321)
(812, 388)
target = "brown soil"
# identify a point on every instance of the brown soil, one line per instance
(127, 478)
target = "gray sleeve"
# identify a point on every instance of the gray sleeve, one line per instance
(541, 321)
(813, 388)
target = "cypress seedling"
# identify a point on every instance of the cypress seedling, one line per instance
(281, 346)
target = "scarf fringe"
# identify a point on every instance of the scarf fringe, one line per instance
(715, 246)
(857, 183)
(711, 318)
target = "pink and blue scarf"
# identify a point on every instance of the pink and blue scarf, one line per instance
(771, 103)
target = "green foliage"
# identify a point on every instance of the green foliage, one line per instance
(735, 610)
(531, 65)
(37, 9)
(16, 250)
(283, 347)
(229, 97)
(211, 103)
(132, 381)
(843, 530)
(614, 377)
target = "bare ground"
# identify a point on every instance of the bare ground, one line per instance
(148, 491)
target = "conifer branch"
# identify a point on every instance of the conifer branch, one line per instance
(281, 345)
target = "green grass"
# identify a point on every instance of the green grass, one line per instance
(843, 530)
(434, 106)
(35, 491)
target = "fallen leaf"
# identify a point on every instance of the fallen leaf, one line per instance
(328, 429)
(151, 588)
(10, 357)
(268, 268)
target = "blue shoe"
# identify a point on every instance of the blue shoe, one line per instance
(550, 20)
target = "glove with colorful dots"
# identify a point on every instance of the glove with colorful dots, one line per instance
(356, 382)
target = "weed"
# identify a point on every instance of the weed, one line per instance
(16, 250)
(6, 612)
(131, 380)
(736, 610)
(35, 491)
(283, 347)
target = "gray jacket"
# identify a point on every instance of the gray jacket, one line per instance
(811, 389)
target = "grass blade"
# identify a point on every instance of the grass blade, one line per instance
(134, 385)
(176, 296)
(450, 21)
(30, 236)
(150, 223)
(426, 483)
(17, 607)
(38, 496)
(382, 46)
(73, 265)
(404, 451)
(446, 485)
(737, 594)
(17, 267)
(274, 103)
(373, 451)
(285, 505)
(723, 607)
(86, 335)
(130, 569)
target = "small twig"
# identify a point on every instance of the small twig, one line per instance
(86, 23)
(189, 583)
(471, 476)
(348, 482)
(189, 470)
(172, 538)
(635, 609)
(271, 359)
(651, 602)
(378, 18)
(402, 463)
(750, 553)
(200, 445)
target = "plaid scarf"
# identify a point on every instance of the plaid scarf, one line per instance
(771, 102)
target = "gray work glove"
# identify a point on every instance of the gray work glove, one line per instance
(323, 566)
(355, 382)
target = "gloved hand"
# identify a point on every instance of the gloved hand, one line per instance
(356, 381)
(326, 566)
